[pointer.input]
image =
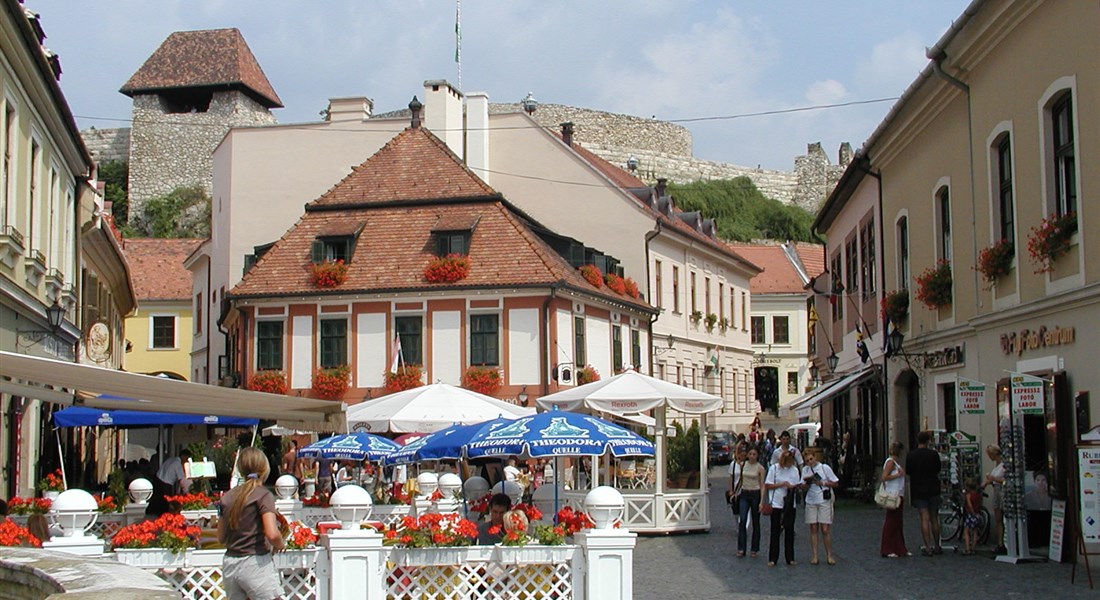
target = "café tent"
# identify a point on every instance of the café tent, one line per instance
(429, 408)
(82, 416)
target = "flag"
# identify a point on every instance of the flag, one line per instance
(861, 348)
(812, 319)
(396, 354)
(458, 31)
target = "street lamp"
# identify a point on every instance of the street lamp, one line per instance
(832, 361)
(55, 313)
(894, 341)
(814, 373)
(657, 351)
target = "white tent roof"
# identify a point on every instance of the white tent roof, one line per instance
(429, 408)
(70, 383)
(632, 392)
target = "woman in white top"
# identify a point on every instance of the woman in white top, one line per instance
(821, 481)
(745, 484)
(893, 528)
(996, 480)
(782, 480)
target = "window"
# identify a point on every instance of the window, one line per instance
(1004, 191)
(485, 340)
(675, 289)
(32, 205)
(411, 332)
(867, 264)
(950, 415)
(617, 347)
(758, 330)
(781, 333)
(164, 331)
(721, 301)
(943, 209)
(326, 249)
(579, 357)
(792, 382)
(659, 292)
(1065, 160)
(636, 348)
(198, 313)
(733, 307)
(334, 343)
(851, 262)
(706, 294)
(836, 300)
(9, 145)
(744, 310)
(903, 253)
(269, 345)
(452, 242)
(694, 299)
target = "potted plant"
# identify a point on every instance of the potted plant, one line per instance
(683, 455)
(615, 283)
(157, 543)
(934, 285)
(328, 274)
(28, 506)
(592, 275)
(723, 324)
(995, 261)
(301, 547)
(587, 374)
(447, 269)
(331, 383)
(631, 288)
(14, 534)
(696, 316)
(107, 504)
(406, 377)
(895, 306)
(1051, 239)
(710, 320)
(483, 380)
(198, 501)
(52, 485)
(270, 381)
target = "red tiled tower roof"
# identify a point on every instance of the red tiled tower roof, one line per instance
(202, 59)
(156, 266)
(780, 276)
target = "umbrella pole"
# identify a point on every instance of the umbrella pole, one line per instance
(61, 457)
(557, 482)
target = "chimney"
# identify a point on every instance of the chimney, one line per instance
(415, 107)
(662, 186)
(567, 133)
(355, 108)
(443, 113)
(477, 134)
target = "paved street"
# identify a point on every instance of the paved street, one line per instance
(703, 566)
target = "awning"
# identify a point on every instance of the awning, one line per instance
(55, 381)
(803, 404)
(83, 416)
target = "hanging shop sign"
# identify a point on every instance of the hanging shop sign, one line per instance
(1024, 340)
(1057, 529)
(971, 396)
(945, 358)
(1088, 460)
(1027, 395)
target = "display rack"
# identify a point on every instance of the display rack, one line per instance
(1011, 436)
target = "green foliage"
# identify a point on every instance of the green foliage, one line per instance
(683, 449)
(182, 213)
(741, 212)
(116, 487)
(115, 175)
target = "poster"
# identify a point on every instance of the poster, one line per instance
(1057, 530)
(971, 397)
(1088, 461)
(1027, 395)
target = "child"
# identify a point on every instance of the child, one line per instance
(972, 504)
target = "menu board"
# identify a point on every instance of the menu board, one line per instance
(1088, 460)
(1057, 529)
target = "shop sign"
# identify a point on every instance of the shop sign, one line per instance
(1027, 339)
(971, 397)
(944, 358)
(1027, 395)
(1088, 460)
(1057, 529)
(766, 361)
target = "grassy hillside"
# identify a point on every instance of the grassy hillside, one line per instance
(742, 212)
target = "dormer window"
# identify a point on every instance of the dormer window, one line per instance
(452, 234)
(336, 242)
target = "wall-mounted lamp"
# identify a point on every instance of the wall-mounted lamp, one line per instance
(832, 361)
(522, 397)
(894, 343)
(814, 373)
(29, 337)
(669, 342)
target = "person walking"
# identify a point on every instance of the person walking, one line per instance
(893, 527)
(996, 480)
(781, 482)
(250, 531)
(785, 446)
(820, 481)
(750, 477)
(923, 468)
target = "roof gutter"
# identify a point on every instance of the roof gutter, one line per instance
(657, 315)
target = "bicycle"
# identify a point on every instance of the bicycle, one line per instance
(951, 520)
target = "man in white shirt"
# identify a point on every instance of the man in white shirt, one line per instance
(511, 472)
(785, 446)
(171, 475)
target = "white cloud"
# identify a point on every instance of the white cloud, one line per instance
(827, 91)
(892, 65)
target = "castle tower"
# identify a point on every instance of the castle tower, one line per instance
(186, 96)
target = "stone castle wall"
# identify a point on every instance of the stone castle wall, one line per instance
(169, 150)
(106, 145)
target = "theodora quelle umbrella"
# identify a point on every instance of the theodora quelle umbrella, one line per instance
(350, 446)
(445, 444)
(558, 433)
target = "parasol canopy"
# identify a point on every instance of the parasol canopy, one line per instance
(429, 408)
(350, 446)
(631, 392)
(558, 433)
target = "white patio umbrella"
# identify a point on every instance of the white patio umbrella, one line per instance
(429, 408)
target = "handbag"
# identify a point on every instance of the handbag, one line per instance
(886, 499)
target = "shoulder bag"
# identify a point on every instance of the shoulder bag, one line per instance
(885, 499)
(766, 507)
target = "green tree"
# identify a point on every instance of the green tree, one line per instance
(115, 174)
(182, 213)
(742, 212)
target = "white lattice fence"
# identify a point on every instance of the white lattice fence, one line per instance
(480, 573)
(107, 525)
(198, 575)
(388, 514)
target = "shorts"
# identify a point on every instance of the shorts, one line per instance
(970, 521)
(252, 577)
(932, 504)
(998, 497)
(819, 513)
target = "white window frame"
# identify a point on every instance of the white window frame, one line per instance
(175, 331)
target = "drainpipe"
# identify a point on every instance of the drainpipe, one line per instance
(546, 347)
(649, 236)
(937, 55)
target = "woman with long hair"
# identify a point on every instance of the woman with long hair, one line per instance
(249, 528)
(782, 480)
(996, 480)
(893, 528)
(750, 476)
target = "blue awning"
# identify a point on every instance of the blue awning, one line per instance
(82, 416)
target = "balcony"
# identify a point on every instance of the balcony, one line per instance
(11, 245)
(35, 264)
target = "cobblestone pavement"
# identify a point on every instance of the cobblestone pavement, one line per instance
(702, 566)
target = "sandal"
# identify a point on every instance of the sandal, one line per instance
(830, 561)
(813, 561)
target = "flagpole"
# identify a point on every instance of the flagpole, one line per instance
(458, 40)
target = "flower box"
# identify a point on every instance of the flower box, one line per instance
(331, 384)
(615, 283)
(406, 378)
(269, 381)
(592, 275)
(483, 380)
(934, 285)
(328, 274)
(995, 261)
(304, 558)
(587, 374)
(532, 554)
(447, 269)
(424, 557)
(1051, 239)
(895, 306)
(151, 557)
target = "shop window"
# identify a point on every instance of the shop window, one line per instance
(950, 414)
(792, 382)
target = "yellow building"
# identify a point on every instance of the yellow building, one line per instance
(159, 333)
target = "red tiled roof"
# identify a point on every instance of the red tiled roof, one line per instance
(391, 252)
(156, 266)
(212, 57)
(812, 257)
(779, 275)
(414, 165)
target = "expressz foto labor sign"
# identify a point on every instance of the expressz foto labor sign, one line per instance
(971, 397)
(1027, 395)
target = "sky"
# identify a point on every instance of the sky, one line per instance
(672, 60)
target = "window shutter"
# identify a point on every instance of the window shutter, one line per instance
(317, 251)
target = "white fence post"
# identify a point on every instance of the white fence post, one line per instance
(608, 571)
(350, 566)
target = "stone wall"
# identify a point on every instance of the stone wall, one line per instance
(169, 150)
(35, 574)
(106, 145)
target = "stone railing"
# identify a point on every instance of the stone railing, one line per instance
(33, 574)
